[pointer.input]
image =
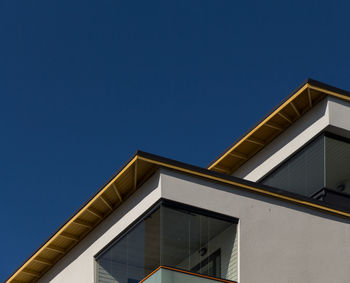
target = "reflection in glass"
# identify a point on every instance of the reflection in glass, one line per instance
(324, 163)
(303, 173)
(172, 237)
(337, 165)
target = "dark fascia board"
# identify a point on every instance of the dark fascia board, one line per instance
(307, 81)
(326, 87)
(239, 181)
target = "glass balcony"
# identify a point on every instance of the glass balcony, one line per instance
(181, 237)
(171, 275)
(323, 163)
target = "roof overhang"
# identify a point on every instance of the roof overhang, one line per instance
(117, 189)
(274, 123)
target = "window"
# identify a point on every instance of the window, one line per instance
(337, 153)
(303, 173)
(210, 266)
(175, 236)
(323, 163)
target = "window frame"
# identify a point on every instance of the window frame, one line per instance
(327, 134)
(166, 203)
(278, 166)
(322, 134)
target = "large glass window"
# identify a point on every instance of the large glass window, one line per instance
(302, 173)
(176, 237)
(324, 163)
(337, 164)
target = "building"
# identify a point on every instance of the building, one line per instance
(274, 207)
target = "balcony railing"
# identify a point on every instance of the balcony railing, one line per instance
(164, 274)
(332, 196)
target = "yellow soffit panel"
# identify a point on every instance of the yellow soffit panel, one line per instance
(102, 204)
(276, 122)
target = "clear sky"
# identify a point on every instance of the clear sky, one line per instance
(84, 84)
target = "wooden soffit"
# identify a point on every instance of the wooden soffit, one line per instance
(276, 122)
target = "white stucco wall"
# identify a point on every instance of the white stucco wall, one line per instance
(330, 114)
(277, 241)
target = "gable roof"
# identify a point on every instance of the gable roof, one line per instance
(300, 101)
(117, 189)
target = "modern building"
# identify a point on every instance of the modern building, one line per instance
(274, 207)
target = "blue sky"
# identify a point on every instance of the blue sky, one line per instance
(84, 84)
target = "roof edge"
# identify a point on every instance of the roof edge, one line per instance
(308, 83)
(171, 164)
(242, 183)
